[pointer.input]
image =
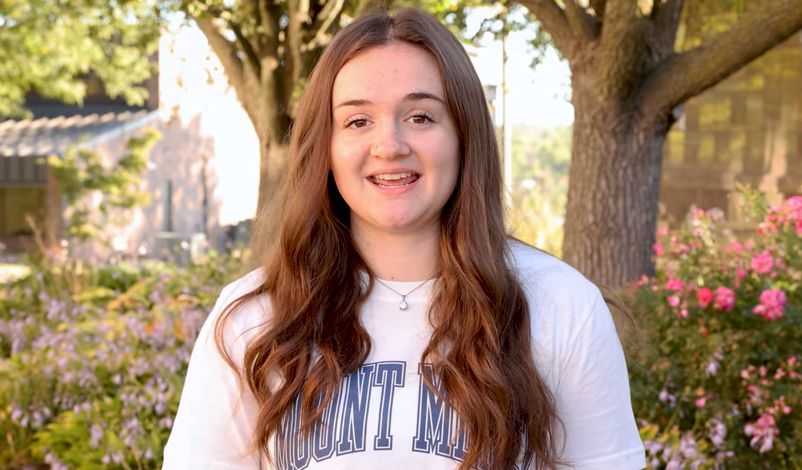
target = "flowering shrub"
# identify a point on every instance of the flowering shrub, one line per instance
(720, 383)
(92, 361)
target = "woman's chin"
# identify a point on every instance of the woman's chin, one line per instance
(399, 224)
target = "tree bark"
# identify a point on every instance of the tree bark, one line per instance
(612, 206)
(273, 160)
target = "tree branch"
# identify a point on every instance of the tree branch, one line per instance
(622, 51)
(246, 46)
(297, 17)
(321, 29)
(554, 21)
(235, 69)
(224, 49)
(583, 24)
(598, 7)
(268, 40)
(620, 26)
(666, 17)
(684, 75)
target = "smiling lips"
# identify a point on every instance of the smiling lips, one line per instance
(393, 180)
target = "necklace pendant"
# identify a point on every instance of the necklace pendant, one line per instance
(403, 304)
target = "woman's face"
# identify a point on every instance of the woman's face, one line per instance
(394, 145)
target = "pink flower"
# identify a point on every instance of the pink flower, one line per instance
(658, 249)
(735, 246)
(725, 299)
(762, 263)
(771, 305)
(673, 301)
(762, 433)
(705, 296)
(675, 284)
(663, 230)
(700, 402)
(747, 245)
(794, 205)
(741, 273)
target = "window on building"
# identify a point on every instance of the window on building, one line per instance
(15, 204)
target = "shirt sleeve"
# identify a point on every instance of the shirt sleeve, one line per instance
(593, 399)
(215, 422)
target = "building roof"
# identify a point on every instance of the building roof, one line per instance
(54, 128)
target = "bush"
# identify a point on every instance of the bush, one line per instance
(92, 360)
(720, 385)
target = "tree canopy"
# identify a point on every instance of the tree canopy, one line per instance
(49, 45)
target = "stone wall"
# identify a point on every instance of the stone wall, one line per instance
(747, 129)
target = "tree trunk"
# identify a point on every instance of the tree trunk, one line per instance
(273, 161)
(611, 214)
(272, 168)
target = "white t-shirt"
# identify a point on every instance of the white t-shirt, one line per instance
(383, 416)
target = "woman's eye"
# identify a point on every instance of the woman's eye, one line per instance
(420, 118)
(357, 123)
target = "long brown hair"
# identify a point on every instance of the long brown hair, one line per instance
(481, 342)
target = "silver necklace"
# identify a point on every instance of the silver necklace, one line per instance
(403, 304)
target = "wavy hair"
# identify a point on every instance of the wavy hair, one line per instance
(481, 342)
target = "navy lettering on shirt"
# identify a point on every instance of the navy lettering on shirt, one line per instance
(342, 429)
(389, 375)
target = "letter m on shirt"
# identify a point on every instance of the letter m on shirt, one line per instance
(433, 431)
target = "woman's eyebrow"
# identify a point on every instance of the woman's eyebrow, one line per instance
(414, 96)
(423, 95)
(354, 103)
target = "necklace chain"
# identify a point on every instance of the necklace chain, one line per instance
(402, 305)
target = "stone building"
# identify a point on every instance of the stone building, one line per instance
(202, 174)
(747, 130)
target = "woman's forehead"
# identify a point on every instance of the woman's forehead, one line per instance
(387, 73)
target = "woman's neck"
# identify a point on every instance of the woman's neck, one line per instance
(398, 256)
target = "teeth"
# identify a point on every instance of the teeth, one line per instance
(393, 176)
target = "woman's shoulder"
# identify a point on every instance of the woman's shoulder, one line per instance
(561, 300)
(548, 277)
(244, 285)
(249, 315)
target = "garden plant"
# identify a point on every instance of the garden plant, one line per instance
(719, 384)
(92, 360)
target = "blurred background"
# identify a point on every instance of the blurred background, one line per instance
(655, 145)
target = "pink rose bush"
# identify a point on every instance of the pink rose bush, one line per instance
(720, 383)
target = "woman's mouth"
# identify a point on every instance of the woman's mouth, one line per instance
(393, 180)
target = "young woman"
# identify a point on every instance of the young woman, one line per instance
(395, 324)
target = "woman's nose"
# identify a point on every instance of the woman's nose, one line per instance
(388, 141)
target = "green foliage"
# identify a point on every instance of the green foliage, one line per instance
(84, 177)
(721, 380)
(92, 360)
(49, 45)
(540, 161)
